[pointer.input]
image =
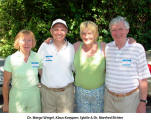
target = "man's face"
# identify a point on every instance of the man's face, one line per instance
(58, 32)
(119, 31)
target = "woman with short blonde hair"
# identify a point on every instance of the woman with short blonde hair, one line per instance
(91, 26)
(89, 63)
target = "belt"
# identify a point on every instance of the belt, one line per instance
(122, 95)
(57, 89)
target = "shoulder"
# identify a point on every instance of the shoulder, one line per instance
(69, 44)
(33, 53)
(35, 56)
(103, 45)
(43, 47)
(8, 58)
(110, 43)
(70, 48)
(14, 55)
(137, 46)
(44, 44)
(77, 45)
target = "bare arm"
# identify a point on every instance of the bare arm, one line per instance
(143, 87)
(5, 89)
(40, 72)
(76, 45)
(103, 45)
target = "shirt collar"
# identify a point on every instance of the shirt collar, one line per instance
(126, 44)
(21, 54)
(64, 46)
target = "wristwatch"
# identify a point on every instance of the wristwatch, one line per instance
(145, 101)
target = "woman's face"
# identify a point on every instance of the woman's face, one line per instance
(25, 43)
(87, 36)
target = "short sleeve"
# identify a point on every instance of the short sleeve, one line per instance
(142, 67)
(7, 65)
(41, 49)
(40, 61)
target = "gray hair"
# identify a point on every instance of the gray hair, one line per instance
(117, 20)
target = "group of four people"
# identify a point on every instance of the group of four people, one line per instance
(118, 68)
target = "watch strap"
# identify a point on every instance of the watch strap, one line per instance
(145, 101)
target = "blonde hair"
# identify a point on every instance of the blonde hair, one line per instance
(90, 26)
(21, 35)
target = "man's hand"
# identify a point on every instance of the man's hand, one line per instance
(141, 108)
(48, 40)
(131, 40)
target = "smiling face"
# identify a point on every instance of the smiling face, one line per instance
(58, 32)
(89, 32)
(87, 36)
(25, 43)
(119, 31)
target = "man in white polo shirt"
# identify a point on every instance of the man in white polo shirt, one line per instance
(57, 91)
(126, 72)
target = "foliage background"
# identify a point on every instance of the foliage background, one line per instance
(37, 15)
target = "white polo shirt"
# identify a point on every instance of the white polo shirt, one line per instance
(57, 65)
(125, 67)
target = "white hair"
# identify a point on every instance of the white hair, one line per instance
(117, 20)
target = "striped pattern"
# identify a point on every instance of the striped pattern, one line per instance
(125, 67)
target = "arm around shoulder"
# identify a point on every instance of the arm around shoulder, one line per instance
(131, 40)
(47, 41)
(76, 45)
(103, 45)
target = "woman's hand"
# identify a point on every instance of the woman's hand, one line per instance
(5, 108)
(48, 40)
(131, 40)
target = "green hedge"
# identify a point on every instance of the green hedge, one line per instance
(37, 15)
